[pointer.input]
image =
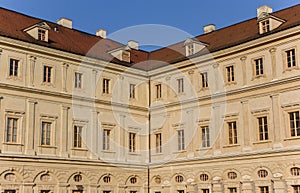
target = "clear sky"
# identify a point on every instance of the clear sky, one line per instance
(114, 15)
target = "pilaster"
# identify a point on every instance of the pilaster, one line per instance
(273, 58)
(30, 127)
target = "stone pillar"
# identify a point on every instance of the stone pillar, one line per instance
(217, 186)
(30, 126)
(31, 68)
(94, 135)
(215, 137)
(273, 58)
(62, 187)
(276, 120)
(64, 76)
(246, 130)
(168, 78)
(216, 75)
(247, 186)
(93, 188)
(244, 68)
(190, 133)
(94, 83)
(122, 150)
(191, 85)
(28, 187)
(64, 131)
(279, 185)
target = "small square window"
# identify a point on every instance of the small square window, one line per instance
(264, 189)
(232, 190)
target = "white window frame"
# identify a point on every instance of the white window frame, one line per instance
(20, 117)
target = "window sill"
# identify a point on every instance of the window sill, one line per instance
(262, 142)
(204, 149)
(13, 144)
(233, 145)
(203, 89)
(108, 151)
(133, 153)
(48, 147)
(230, 83)
(106, 94)
(79, 149)
(288, 69)
(179, 151)
(14, 78)
(292, 138)
(49, 84)
(261, 76)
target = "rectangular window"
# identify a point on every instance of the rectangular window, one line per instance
(77, 136)
(11, 130)
(105, 85)
(230, 74)
(263, 128)
(41, 35)
(180, 191)
(46, 133)
(190, 49)
(296, 189)
(204, 80)
(294, 123)
(265, 26)
(14, 67)
(291, 58)
(259, 67)
(232, 133)
(232, 190)
(45, 191)
(78, 80)
(158, 91)
(180, 86)
(106, 139)
(205, 136)
(205, 190)
(47, 74)
(264, 189)
(132, 91)
(132, 142)
(9, 191)
(158, 143)
(180, 134)
(106, 191)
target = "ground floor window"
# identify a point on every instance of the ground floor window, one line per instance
(9, 191)
(296, 189)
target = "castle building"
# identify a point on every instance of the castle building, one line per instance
(216, 113)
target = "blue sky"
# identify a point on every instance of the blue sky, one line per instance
(187, 16)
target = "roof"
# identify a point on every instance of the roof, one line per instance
(12, 25)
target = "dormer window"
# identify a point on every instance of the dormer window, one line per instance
(266, 21)
(126, 56)
(41, 34)
(39, 31)
(190, 49)
(122, 54)
(265, 26)
(193, 46)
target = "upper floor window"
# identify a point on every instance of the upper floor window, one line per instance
(77, 136)
(263, 128)
(295, 171)
(158, 143)
(132, 142)
(158, 91)
(78, 80)
(232, 190)
(132, 91)
(180, 85)
(179, 179)
(106, 139)
(203, 177)
(133, 180)
(264, 189)
(106, 179)
(14, 67)
(230, 74)
(290, 58)
(262, 173)
(105, 86)
(41, 34)
(180, 137)
(259, 67)
(265, 26)
(204, 80)
(46, 133)
(232, 175)
(232, 130)
(77, 178)
(205, 136)
(294, 123)
(11, 130)
(47, 78)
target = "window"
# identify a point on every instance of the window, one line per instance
(10, 177)
(262, 173)
(132, 91)
(291, 58)
(11, 130)
(158, 91)
(232, 175)
(180, 191)
(132, 191)
(157, 180)
(230, 74)
(14, 67)
(45, 191)
(294, 123)
(232, 133)
(265, 26)
(263, 128)
(158, 143)
(77, 178)
(126, 56)
(203, 177)
(180, 85)
(106, 179)
(78, 80)
(133, 180)
(105, 86)
(46, 133)
(204, 80)
(232, 190)
(77, 136)
(296, 189)
(179, 179)
(205, 136)
(47, 74)
(205, 190)
(9, 191)
(259, 67)
(295, 171)
(106, 191)
(180, 134)
(45, 178)
(264, 189)
(190, 49)
(132, 138)
(106, 139)
(41, 34)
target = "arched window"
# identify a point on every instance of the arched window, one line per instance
(178, 179)
(106, 179)
(295, 171)
(45, 178)
(77, 178)
(262, 173)
(203, 177)
(133, 180)
(232, 175)
(157, 180)
(10, 177)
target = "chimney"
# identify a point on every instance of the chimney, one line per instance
(101, 33)
(65, 22)
(133, 44)
(264, 10)
(209, 28)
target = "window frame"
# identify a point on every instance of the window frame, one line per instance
(229, 75)
(180, 85)
(46, 77)
(41, 34)
(15, 115)
(106, 86)
(78, 80)
(106, 139)
(15, 73)
(46, 140)
(260, 63)
(77, 137)
(158, 142)
(180, 139)
(132, 142)
(205, 136)
(132, 91)
(204, 80)
(158, 89)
